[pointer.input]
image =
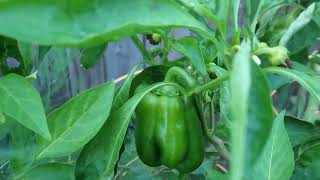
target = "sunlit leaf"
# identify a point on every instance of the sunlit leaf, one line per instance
(77, 121)
(277, 159)
(251, 124)
(89, 23)
(22, 102)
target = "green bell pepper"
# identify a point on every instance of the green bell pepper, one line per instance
(168, 130)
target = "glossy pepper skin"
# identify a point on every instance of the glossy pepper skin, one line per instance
(168, 130)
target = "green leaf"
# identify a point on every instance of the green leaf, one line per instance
(89, 23)
(310, 83)
(149, 75)
(22, 149)
(22, 102)
(251, 112)
(235, 6)
(253, 9)
(304, 18)
(216, 11)
(122, 95)
(316, 15)
(299, 44)
(77, 121)
(277, 159)
(300, 131)
(98, 158)
(27, 54)
(308, 163)
(52, 171)
(224, 125)
(240, 82)
(90, 56)
(189, 47)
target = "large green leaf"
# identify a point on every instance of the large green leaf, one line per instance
(77, 121)
(52, 171)
(310, 83)
(86, 23)
(99, 156)
(277, 159)
(189, 47)
(22, 102)
(240, 82)
(251, 112)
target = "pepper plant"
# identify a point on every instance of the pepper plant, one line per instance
(240, 102)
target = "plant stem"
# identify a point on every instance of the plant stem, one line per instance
(216, 141)
(210, 85)
(165, 52)
(146, 55)
(181, 77)
(213, 122)
(182, 176)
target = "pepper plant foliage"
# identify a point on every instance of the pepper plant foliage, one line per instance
(256, 88)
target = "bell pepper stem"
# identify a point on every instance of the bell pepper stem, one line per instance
(181, 77)
(213, 84)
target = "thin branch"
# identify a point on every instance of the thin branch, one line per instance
(146, 55)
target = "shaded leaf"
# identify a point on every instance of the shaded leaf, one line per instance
(90, 56)
(308, 163)
(299, 43)
(22, 102)
(189, 47)
(122, 95)
(311, 84)
(22, 149)
(304, 18)
(27, 54)
(52, 171)
(77, 121)
(300, 131)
